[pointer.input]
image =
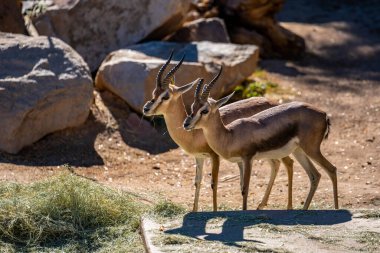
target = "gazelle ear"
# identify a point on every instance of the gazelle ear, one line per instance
(185, 88)
(224, 100)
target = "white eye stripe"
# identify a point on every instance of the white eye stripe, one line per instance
(202, 109)
(161, 97)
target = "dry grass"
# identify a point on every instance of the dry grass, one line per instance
(67, 213)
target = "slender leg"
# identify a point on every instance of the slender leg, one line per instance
(198, 181)
(214, 181)
(247, 165)
(241, 170)
(330, 169)
(275, 166)
(288, 162)
(314, 175)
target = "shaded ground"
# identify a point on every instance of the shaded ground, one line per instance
(340, 74)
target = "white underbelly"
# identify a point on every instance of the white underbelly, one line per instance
(201, 155)
(235, 159)
(285, 150)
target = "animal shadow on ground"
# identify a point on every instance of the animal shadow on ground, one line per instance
(135, 130)
(73, 146)
(194, 224)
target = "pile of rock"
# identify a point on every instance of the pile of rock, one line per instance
(46, 82)
(95, 28)
(249, 22)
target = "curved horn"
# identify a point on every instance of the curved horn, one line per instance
(169, 75)
(207, 88)
(162, 69)
(198, 89)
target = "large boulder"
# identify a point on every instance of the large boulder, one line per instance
(210, 29)
(96, 27)
(45, 86)
(131, 73)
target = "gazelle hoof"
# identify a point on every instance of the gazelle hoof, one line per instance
(261, 206)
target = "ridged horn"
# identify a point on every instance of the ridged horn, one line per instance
(171, 73)
(198, 89)
(162, 69)
(207, 88)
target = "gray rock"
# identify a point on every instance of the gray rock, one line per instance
(131, 73)
(210, 29)
(45, 86)
(96, 27)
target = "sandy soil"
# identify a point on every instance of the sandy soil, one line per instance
(340, 74)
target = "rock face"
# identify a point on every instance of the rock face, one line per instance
(131, 73)
(96, 27)
(11, 20)
(241, 35)
(210, 29)
(258, 15)
(45, 86)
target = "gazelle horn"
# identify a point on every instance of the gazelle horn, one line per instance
(207, 88)
(198, 89)
(171, 73)
(162, 69)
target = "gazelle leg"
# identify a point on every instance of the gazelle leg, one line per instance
(247, 165)
(241, 170)
(275, 166)
(314, 175)
(288, 162)
(330, 170)
(198, 181)
(214, 181)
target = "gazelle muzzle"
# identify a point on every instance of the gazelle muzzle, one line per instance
(148, 106)
(187, 124)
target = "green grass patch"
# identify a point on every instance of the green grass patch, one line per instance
(167, 209)
(252, 88)
(370, 214)
(37, 8)
(257, 85)
(68, 213)
(174, 240)
(370, 240)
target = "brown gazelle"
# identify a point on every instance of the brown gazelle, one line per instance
(167, 101)
(293, 128)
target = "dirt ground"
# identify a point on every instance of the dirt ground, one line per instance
(340, 74)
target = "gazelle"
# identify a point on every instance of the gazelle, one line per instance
(293, 128)
(166, 100)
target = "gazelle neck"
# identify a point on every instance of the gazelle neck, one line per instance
(175, 115)
(217, 134)
(192, 142)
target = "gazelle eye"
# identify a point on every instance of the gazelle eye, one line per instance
(166, 97)
(205, 111)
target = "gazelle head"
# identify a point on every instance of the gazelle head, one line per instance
(204, 107)
(165, 92)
